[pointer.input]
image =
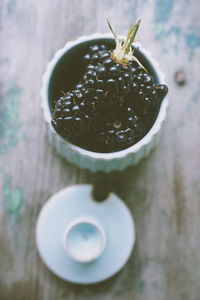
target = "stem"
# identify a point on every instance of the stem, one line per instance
(132, 35)
(131, 28)
(123, 53)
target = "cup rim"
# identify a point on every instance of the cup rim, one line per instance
(84, 220)
(84, 152)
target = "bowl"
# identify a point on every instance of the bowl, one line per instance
(60, 75)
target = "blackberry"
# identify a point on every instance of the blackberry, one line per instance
(145, 96)
(162, 90)
(120, 129)
(71, 116)
(94, 51)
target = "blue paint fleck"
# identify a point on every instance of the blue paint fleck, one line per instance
(10, 124)
(192, 41)
(164, 29)
(141, 286)
(5, 61)
(195, 98)
(162, 14)
(161, 31)
(11, 6)
(13, 197)
(163, 10)
(192, 101)
(177, 31)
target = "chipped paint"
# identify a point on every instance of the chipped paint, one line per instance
(192, 40)
(141, 286)
(162, 14)
(13, 197)
(163, 11)
(190, 104)
(165, 29)
(11, 6)
(5, 61)
(10, 124)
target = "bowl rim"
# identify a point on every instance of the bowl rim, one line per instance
(100, 155)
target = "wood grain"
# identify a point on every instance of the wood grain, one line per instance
(162, 192)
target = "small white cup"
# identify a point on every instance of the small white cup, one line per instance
(84, 239)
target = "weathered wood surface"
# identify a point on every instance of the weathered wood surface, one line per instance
(163, 191)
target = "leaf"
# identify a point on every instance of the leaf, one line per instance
(111, 29)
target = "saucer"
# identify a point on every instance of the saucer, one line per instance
(69, 204)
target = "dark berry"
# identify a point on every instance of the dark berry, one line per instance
(120, 136)
(89, 83)
(131, 120)
(86, 58)
(125, 90)
(103, 47)
(94, 48)
(111, 84)
(142, 86)
(120, 82)
(76, 109)
(59, 103)
(126, 76)
(148, 88)
(99, 93)
(148, 79)
(133, 70)
(141, 95)
(79, 96)
(162, 90)
(126, 68)
(94, 58)
(89, 73)
(100, 84)
(139, 78)
(79, 86)
(134, 87)
(114, 70)
(153, 93)
(105, 55)
(58, 112)
(67, 103)
(90, 67)
(108, 62)
(130, 140)
(101, 72)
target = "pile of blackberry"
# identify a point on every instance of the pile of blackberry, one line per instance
(116, 102)
(71, 115)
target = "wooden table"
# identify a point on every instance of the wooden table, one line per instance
(162, 192)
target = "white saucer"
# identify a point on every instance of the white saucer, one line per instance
(69, 204)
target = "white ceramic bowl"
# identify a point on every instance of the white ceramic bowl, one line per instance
(94, 161)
